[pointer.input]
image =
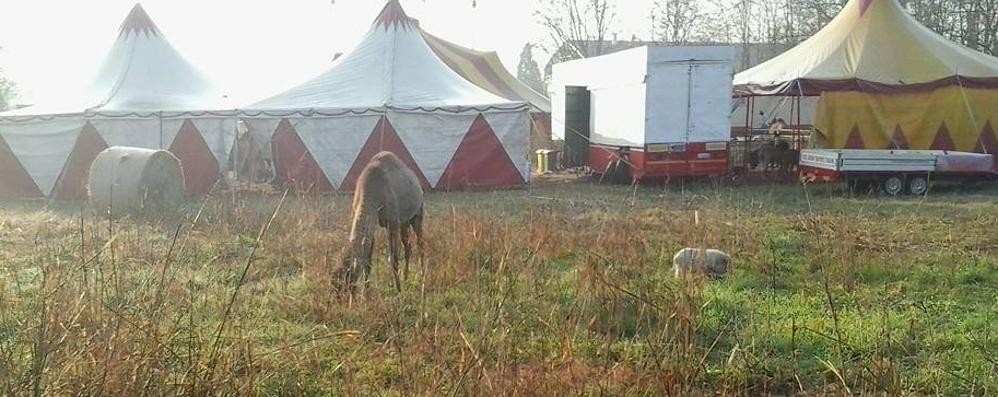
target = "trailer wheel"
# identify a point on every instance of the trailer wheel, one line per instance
(893, 185)
(918, 185)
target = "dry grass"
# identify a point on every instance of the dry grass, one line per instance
(560, 290)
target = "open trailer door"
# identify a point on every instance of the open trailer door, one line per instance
(577, 125)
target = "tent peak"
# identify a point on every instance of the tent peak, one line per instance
(865, 5)
(138, 22)
(393, 16)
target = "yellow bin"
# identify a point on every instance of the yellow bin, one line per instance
(546, 160)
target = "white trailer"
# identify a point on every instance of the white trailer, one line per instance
(895, 172)
(666, 110)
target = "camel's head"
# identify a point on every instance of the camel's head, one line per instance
(348, 270)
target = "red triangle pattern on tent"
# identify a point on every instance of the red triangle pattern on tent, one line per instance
(540, 124)
(855, 140)
(480, 161)
(898, 140)
(295, 166)
(72, 181)
(986, 143)
(943, 140)
(15, 182)
(383, 138)
(199, 164)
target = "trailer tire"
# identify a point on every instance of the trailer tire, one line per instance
(893, 185)
(918, 185)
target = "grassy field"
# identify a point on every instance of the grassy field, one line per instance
(564, 289)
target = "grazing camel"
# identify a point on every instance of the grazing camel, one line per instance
(387, 192)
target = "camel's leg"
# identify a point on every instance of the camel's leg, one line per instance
(391, 218)
(417, 228)
(369, 255)
(393, 249)
(406, 247)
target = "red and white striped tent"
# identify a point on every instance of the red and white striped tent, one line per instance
(393, 93)
(485, 69)
(145, 95)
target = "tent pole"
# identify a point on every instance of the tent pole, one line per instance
(751, 124)
(160, 129)
(748, 113)
(796, 121)
(797, 131)
(234, 160)
(800, 136)
(790, 119)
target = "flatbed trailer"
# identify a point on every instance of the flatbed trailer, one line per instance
(895, 172)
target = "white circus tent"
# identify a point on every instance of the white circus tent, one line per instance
(145, 95)
(391, 92)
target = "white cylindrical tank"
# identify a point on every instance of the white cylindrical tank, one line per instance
(128, 179)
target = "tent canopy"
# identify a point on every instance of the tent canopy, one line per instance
(393, 93)
(143, 72)
(873, 46)
(392, 67)
(486, 70)
(145, 95)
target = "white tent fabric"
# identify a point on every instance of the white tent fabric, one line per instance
(143, 72)
(219, 133)
(42, 147)
(432, 138)
(140, 97)
(391, 67)
(121, 132)
(262, 128)
(392, 73)
(335, 142)
(507, 129)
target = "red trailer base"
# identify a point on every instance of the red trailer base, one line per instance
(665, 160)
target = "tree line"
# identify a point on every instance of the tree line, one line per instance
(973, 23)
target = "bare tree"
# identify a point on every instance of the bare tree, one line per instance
(576, 28)
(678, 20)
(528, 71)
(7, 92)
(973, 23)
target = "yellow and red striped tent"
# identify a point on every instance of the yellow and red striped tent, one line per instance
(886, 81)
(485, 70)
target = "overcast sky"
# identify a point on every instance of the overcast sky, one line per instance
(253, 48)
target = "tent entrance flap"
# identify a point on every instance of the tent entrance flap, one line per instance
(577, 122)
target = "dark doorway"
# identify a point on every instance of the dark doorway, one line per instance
(577, 110)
